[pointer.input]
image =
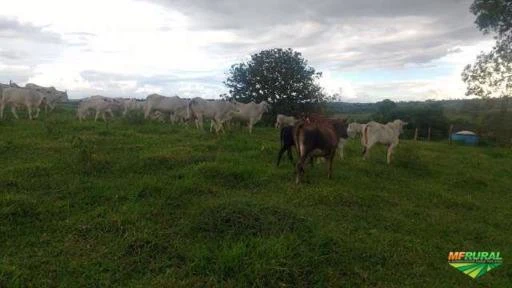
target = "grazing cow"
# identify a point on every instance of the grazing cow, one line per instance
(172, 105)
(319, 138)
(100, 104)
(250, 112)
(218, 111)
(283, 121)
(17, 97)
(355, 129)
(314, 117)
(52, 95)
(387, 134)
(180, 115)
(131, 105)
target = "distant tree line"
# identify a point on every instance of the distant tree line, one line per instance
(284, 79)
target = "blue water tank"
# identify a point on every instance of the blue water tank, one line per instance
(466, 137)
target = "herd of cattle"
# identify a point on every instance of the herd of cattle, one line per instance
(318, 136)
(311, 135)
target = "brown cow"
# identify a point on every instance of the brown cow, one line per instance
(318, 138)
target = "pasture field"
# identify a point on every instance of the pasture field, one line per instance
(138, 204)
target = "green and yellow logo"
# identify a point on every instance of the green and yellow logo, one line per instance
(474, 264)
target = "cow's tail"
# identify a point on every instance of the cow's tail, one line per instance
(299, 126)
(365, 135)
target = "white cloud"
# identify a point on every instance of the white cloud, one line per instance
(142, 47)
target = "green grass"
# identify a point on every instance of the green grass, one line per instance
(143, 204)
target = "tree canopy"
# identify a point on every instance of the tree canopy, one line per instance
(281, 77)
(491, 74)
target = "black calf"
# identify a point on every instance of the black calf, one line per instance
(287, 143)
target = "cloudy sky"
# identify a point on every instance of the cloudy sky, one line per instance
(367, 49)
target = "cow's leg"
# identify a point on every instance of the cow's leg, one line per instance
(147, 111)
(13, 110)
(308, 156)
(390, 152)
(2, 107)
(341, 145)
(29, 110)
(104, 116)
(299, 170)
(366, 151)
(290, 156)
(219, 127)
(299, 167)
(280, 154)
(330, 160)
(97, 115)
(37, 112)
(200, 122)
(250, 126)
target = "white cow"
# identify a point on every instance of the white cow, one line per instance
(52, 95)
(3, 86)
(180, 115)
(100, 104)
(387, 134)
(283, 120)
(17, 97)
(172, 105)
(132, 105)
(354, 129)
(218, 111)
(250, 112)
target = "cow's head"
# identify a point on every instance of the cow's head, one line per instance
(353, 129)
(265, 105)
(400, 125)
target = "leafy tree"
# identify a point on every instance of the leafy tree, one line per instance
(491, 75)
(281, 77)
